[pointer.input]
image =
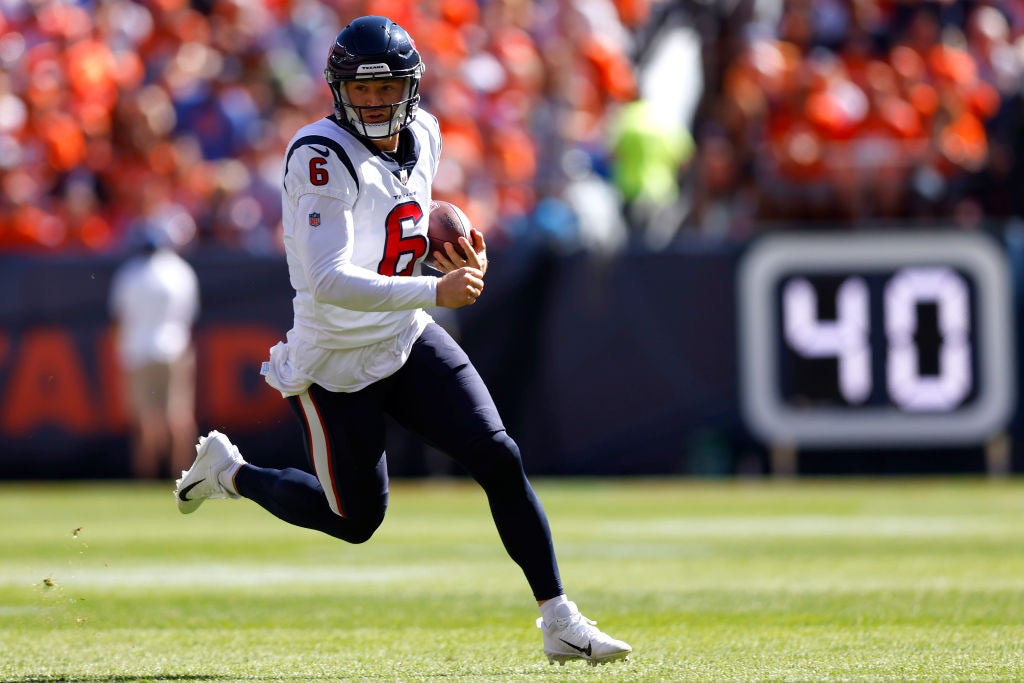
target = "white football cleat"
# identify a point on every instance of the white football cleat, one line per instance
(571, 635)
(214, 454)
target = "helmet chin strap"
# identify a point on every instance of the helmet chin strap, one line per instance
(382, 129)
(374, 131)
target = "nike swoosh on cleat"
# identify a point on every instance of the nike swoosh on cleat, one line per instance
(321, 152)
(585, 650)
(183, 495)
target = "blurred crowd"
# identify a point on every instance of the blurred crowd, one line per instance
(119, 117)
(853, 112)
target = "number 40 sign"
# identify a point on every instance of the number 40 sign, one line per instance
(875, 339)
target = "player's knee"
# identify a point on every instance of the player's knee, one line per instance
(356, 530)
(359, 534)
(496, 457)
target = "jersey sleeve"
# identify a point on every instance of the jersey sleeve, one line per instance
(433, 128)
(326, 254)
(316, 164)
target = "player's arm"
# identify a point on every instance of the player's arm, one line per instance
(326, 253)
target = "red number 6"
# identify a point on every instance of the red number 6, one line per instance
(317, 173)
(397, 245)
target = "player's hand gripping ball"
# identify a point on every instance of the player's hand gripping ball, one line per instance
(447, 223)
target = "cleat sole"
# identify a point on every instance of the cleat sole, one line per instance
(561, 659)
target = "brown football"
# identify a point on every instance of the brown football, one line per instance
(446, 223)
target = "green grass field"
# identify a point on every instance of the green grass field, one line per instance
(900, 580)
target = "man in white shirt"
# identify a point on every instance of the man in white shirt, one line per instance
(154, 300)
(356, 191)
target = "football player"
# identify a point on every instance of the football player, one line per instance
(356, 191)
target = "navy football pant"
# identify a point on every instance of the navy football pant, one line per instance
(437, 395)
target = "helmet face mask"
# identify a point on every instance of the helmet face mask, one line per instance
(374, 48)
(399, 114)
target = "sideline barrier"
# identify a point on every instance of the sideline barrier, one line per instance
(629, 365)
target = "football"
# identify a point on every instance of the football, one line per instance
(446, 223)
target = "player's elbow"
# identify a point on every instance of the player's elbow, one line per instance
(328, 288)
(320, 288)
(345, 290)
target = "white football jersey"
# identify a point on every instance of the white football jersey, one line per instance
(355, 226)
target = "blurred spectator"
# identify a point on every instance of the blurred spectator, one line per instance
(724, 202)
(989, 35)
(154, 300)
(649, 155)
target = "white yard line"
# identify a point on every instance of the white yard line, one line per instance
(207, 574)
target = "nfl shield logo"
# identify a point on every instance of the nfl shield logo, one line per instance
(314, 219)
